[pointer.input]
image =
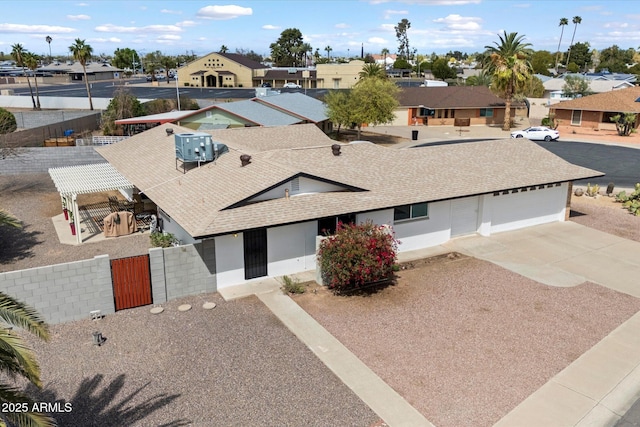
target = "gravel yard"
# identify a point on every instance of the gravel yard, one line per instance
(33, 199)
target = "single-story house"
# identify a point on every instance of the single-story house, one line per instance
(95, 71)
(553, 88)
(595, 111)
(272, 109)
(449, 105)
(261, 206)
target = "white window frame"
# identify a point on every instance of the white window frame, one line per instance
(411, 214)
(573, 121)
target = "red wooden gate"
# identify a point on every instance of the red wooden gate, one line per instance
(131, 281)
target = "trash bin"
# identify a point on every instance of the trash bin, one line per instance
(414, 135)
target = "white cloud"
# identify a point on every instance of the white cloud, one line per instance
(185, 24)
(169, 37)
(388, 28)
(460, 23)
(224, 12)
(171, 12)
(388, 14)
(342, 25)
(78, 17)
(19, 28)
(616, 25)
(110, 28)
(376, 41)
(270, 27)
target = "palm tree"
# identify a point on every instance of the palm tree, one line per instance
(223, 49)
(8, 220)
(563, 22)
(306, 50)
(48, 39)
(576, 20)
(82, 53)
(328, 50)
(31, 61)
(17, 360)
(18, 52)
(384, 53)
(510, 69)
(372, 70)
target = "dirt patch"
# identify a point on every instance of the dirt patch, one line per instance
(566, 132)
(384, 140)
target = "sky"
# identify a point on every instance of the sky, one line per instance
(347, 26)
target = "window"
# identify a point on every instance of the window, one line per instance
(327, 226)
(486, 112)
(576, 117)
(416, 210)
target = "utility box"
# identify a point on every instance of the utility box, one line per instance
(197, 147)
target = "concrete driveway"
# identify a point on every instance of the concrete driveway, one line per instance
(561, 254)
(603, 383)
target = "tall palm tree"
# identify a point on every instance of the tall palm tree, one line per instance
(563, 23)
(306, 50)
(372, 70)
(48, 39)
(328, 50)
(31, 62)
(510, 69)
(17, 360)
(384, 54)
(18, 52)
(576, 20)
(82, 53)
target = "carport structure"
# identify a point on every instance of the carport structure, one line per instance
(94, 178)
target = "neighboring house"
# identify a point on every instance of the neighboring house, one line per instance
(277, 77)
(338, 76)
(435, 106)
(221, 70)
(598, 83)
(595, 111)
(262, 205)
(73, 72)
(274, 109)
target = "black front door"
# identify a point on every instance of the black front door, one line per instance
(255, 253)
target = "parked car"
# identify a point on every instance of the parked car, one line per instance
(266, 84)
(291, 85)
(538, 133)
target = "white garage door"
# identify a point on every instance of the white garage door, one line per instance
(464, 216)
(524, 209)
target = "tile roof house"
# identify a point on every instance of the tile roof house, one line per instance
(265, 214)
(595, 111)
(553, 87)
(274, 109)
(449, 105)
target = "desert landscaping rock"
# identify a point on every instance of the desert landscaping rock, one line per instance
(156, 310)
(184, 307)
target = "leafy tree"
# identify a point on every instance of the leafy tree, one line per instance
(287, 51)
(82, 53)
(510, 69)
(482, 79)
(357, 255)
(534, 88)
(18, 53)
(31, 62)
(441, 69)
(369, 59)
(152, 61)
(615, 59)
(625, 122)
(403, 39)
(18, 360)
(162, 105)
(126, 58)
(168, 62)
(372, 70)
(373, 101)
(8, 122)
(576, 20)
(575, 86)
(541, 61)
(401, 64)
(338, 108)
(563, 22)
(123, 106)
(580, 54)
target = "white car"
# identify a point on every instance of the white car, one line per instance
(537, 133)
(291, 85)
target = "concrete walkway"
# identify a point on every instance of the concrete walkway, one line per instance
(595, 390)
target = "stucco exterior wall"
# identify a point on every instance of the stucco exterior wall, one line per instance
(338, 76)
(215, 70)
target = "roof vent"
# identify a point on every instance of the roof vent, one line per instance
(169, 131)
(245, 159)
(335, 149)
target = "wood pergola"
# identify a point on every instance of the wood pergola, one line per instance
(85, 179)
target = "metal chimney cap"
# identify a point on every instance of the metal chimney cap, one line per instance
(335, 149)
(169, 131)
(245, 159)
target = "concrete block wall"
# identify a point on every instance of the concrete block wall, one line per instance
(64, 292)
(158, 281)
(40, 159)
(189, 269)
(34, 119)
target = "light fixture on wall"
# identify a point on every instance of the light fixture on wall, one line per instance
(235, 234)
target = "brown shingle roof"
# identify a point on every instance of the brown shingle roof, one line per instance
(620, 100)
(198, 200)
(450, 97)
(243, 60)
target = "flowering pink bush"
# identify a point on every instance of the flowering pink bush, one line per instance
(357, 255)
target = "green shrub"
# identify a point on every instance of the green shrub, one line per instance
(7, 121)
(162, 240)
(292, 286)
(631, 202)
(357, 255)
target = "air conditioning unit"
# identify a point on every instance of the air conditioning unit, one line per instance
(198, 147)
